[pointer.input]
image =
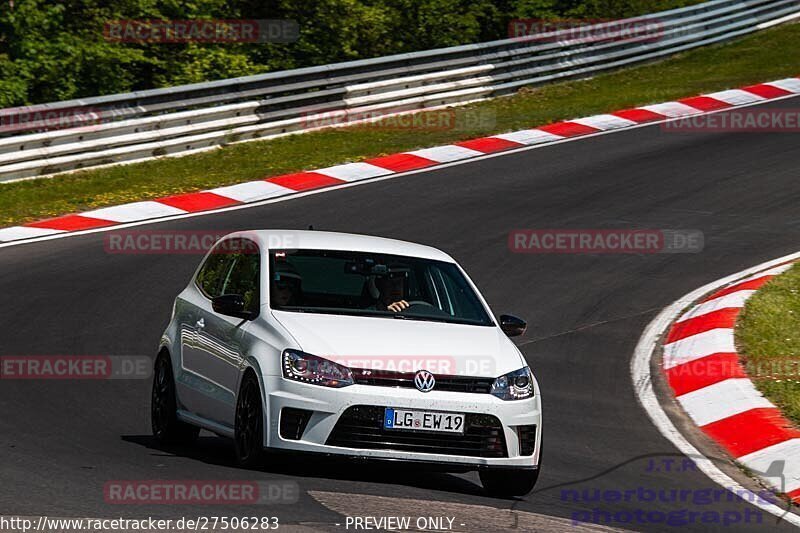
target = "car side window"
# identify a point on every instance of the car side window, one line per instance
(244, 276)
(214, 271)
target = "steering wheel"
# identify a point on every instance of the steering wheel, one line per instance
(419, 302)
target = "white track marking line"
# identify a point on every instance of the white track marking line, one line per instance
(722, 400)
(719, 340)
(288, 197)
(643, 387)
(735, 97)
(789, 84)
(605, 122)
(771, 272)
(353, 171)
(251, 191)
(733, 300)
(761, 461)
(529, 137)
(26, 232)
(673, 109)
(446, 153)
(134, 211)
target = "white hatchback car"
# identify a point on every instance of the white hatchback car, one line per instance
(311, 341)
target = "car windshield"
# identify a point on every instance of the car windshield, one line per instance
(375, 285)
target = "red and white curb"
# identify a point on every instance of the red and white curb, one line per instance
(291, 184)
(705, 372)
(703, 369)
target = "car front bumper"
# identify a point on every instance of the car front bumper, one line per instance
(488, 418)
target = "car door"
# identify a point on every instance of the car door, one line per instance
(212, 348)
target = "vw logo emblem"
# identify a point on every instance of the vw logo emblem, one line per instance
(424, 381)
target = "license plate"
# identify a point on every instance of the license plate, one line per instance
(423, 420)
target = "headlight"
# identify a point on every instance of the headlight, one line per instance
(307, 368)
(516, 385)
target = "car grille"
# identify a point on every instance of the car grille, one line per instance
(293, 422)
(527, 439)
(387, 378)
(361, 426)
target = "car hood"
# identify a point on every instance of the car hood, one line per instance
(404, 345)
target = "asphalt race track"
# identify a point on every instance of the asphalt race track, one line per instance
(61, 441)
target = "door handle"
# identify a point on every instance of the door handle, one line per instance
(200, 324)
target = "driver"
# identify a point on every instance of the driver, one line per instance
(286, 285)
(389, 290)
(392, 291)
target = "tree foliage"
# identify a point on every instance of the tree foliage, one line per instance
(54, 51)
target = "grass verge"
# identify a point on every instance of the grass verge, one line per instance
(756, 58)
(768, 335)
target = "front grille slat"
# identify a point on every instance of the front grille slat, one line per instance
(361, 426)
(293, 422)
(419, 438)
(390, 378)
(425, 447)
(527, 439)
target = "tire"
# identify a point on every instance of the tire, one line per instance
(249, 425)
(508, 483)
(167, 429)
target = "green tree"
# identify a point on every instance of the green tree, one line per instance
(55, 51)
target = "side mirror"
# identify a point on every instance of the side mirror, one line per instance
(231, 305)
(512, 326)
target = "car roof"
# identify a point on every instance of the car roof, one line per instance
(326, 240)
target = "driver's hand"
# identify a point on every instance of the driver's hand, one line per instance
(398, 306)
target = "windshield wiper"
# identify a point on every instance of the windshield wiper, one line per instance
(421, 318)
(439, 319)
